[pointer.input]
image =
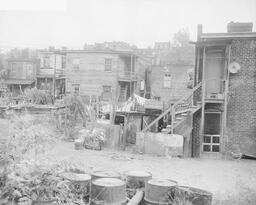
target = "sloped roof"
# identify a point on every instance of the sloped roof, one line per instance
(19, 82)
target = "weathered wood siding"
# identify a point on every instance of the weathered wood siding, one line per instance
(91, 74)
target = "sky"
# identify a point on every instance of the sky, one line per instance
(72, 23)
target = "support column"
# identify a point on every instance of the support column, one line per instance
(203, 104)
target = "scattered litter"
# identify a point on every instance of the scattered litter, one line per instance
(120, 157)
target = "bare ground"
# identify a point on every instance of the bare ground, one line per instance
(230, 181)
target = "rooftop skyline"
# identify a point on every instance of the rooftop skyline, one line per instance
(39, 24)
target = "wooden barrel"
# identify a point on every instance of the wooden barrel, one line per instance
(109, 191)
(137, 179)
(79, 183)
(105, 174)
(191, 195)
(157, 191)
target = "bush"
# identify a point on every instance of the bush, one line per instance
(37, 96)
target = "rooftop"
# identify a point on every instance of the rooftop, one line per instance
(229, 35)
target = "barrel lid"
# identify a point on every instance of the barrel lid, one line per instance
(162, 182)
(138, 173)
(76, 177)
(108, 182)
(106, 174)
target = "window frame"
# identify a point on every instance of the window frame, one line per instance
(108, 64)
(75, 86)
(167, 79)
(106, 89)
(76, 66)
(211, 143)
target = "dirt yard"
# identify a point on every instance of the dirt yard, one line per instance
(230, 181)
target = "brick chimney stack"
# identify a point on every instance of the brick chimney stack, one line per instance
(239, 27)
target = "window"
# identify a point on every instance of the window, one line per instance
(108, 64)
(142, 85)
(211, 143)
(167, 80)
(106, 94)
(76, 88)
(76, 63)
(157, 98)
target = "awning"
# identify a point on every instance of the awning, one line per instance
(19, 82)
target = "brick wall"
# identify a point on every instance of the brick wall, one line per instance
(196, 134)
(241, 113)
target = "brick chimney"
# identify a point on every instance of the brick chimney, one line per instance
(239, 27)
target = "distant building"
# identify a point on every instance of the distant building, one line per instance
(162, 45)
(168, 83)
(21, 75)
(50, 75)
(104, 75)
(112, 45)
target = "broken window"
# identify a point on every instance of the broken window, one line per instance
(106, 94)
(108, 64)
(167, 80)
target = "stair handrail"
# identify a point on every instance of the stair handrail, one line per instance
(172, 107)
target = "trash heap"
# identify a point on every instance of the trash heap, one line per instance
(90, 139)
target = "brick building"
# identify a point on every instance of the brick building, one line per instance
(104, 75)
(226, 69)
(218, 117)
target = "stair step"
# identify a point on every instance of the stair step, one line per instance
(178, 118)
(184, 114)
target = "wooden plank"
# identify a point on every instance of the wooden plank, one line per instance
(203, 105)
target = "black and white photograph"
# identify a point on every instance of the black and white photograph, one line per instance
(128, 102)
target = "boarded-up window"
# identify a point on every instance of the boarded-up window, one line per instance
(106, 94)
(76, 63)
(76, 88)
(108, 64)
(167, 80)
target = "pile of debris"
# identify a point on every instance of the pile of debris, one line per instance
(90, 139)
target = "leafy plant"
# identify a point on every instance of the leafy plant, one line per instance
(37, 96)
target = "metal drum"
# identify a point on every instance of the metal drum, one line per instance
(158, 191)
(105, 174)
(109, 191)
(137, 179)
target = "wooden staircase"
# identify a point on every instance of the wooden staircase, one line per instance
(178, 116)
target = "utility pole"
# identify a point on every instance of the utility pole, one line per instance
(54, 78)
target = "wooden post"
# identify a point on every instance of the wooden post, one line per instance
(54, 78)
(124, 132)
(173, 119)
(224, 124)
(203, 104)
(131, 76)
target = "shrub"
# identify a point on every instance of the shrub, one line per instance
(37, 96)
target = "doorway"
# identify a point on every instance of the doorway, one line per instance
(212, 132)
(214, 71)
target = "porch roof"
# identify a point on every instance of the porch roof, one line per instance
(19, 82)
